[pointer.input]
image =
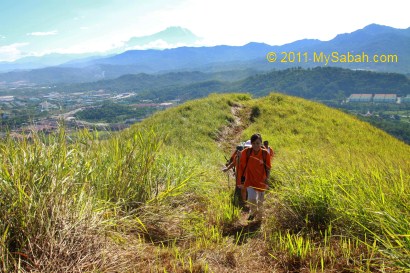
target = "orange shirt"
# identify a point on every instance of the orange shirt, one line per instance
(255, 173)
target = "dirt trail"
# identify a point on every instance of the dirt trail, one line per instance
(230, 136)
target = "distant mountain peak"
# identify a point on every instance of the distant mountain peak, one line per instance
(377, 29)
(173, 36)
(176, 30)
(371, 30)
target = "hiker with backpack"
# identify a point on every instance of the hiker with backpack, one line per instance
(254, 168)
(232, 162)
(240, 192)
(268, 148)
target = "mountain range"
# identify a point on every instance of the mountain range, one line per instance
(319, 83)
(372, 39)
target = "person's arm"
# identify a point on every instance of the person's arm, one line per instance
(230, 166)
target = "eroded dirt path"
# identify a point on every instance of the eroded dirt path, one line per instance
(230, 136)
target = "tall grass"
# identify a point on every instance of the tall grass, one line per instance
(153, 197)
(60, 197)
(45, 210)
(332, 170)
(66, 198)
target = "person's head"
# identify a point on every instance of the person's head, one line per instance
(256, 141)
(266, 144)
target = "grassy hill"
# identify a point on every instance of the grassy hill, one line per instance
(153, 198)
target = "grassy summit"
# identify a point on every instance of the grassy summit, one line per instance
(153, 199)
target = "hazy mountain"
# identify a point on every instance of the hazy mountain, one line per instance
(185, 57)
(170, 37)
(54, 59)
(373, 39)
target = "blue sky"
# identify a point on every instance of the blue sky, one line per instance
(38, 27)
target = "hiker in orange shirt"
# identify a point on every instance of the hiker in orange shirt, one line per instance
(232, 162)
(255, 166)
(240, 191)
(268, 148)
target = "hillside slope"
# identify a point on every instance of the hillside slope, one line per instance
(332, 172)
(153, 198)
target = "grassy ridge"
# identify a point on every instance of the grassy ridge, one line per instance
(71, 202)
(152, 198)
(335, 171)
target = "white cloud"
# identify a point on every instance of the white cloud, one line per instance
(94, 45)
(78, 18)
(157, 44)
(43, 33)
(10, 53)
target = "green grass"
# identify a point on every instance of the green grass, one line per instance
(332, 169)
(153, 199)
